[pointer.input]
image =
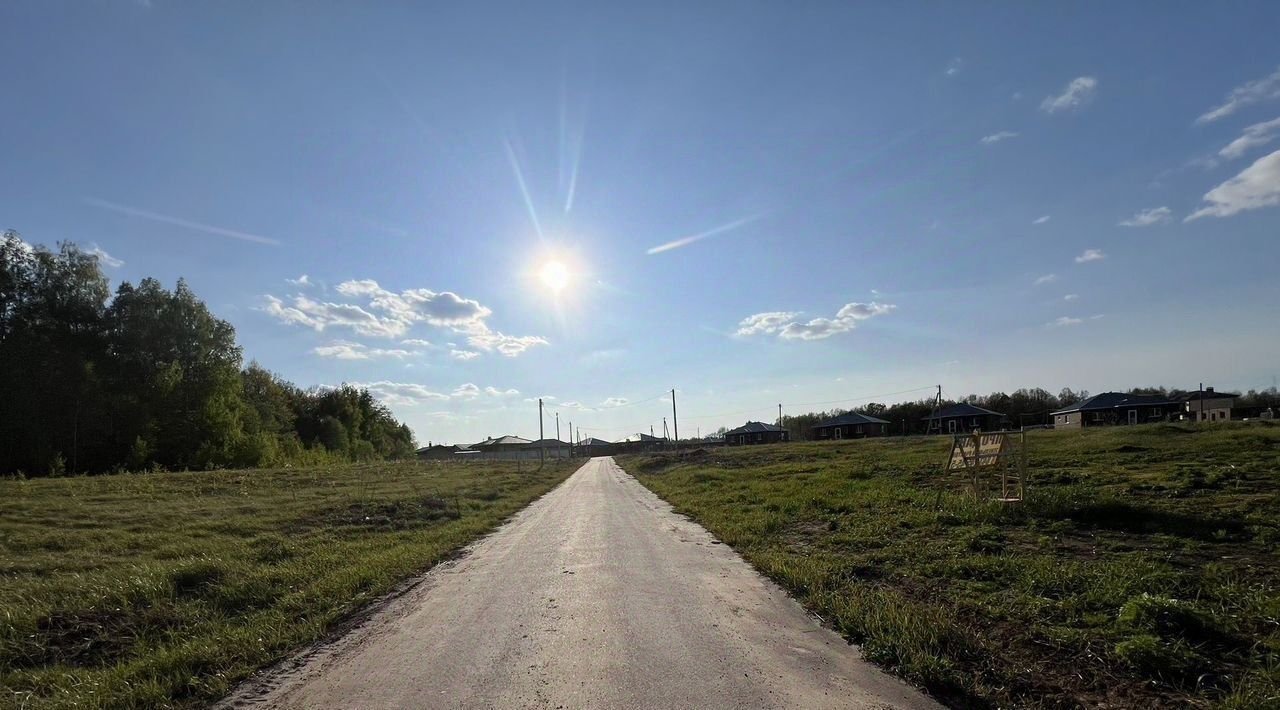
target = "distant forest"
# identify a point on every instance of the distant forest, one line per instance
(150, 379)
(1025, 407)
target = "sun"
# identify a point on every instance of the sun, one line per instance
(554, 275)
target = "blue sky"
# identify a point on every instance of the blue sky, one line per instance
(754, 204)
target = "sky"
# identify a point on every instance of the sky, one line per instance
(464, 207)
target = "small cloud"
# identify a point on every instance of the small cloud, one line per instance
(463, 355)
(1090, 255)
(615, 402)
(466, 390)
(1252, 137)
(1046, 279)
(1017, 96)
(1041, 220)
(954, 66)
(1071, 297)
(417, 342)
(1077, 93)
(770, 322)
(1147, 217)
(348, 350)
(1255, 187)
(400, 393)
(302, 281)
(1063, 321)
(999, 136)
(1246, 94)
(104, 258)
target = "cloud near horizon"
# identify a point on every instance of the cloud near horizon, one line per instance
(786, 326)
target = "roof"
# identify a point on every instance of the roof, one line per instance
(548, 442)
(1210, 394)
(754, 428)
(502, 440)
(592, 441)
(850, 418)
(963, 409)
(1116, 400)
(439, 447)
(642, 437)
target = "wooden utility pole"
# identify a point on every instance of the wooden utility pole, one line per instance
(779, 415)
(542, 443)
(557, 427)
(1201, 401)
(675, 423)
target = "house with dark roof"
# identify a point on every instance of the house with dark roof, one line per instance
(639, 442)
(592, 446)
(850, 425)
(962, 418)
(551, 448)
(1209, 406)
(756, 433)
(438, 452)
(505, 448)
(1111, 408)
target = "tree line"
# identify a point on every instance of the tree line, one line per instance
(148, 378)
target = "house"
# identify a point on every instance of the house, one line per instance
(553, 448)
(438, 452)
(639, 442)
(850, 425)
(756, 433)
(592, 446)
(1116, 408)
(962, 418)
(1209, 406)
(504, 448)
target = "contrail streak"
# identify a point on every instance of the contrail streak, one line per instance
(177, 221)
(727, 227)
(524, 189)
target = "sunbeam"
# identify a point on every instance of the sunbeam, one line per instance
(524, 189)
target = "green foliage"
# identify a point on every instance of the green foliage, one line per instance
(1113, 584)
(151, 379)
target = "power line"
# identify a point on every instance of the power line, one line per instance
(858, 399)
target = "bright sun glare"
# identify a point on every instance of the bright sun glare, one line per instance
(554, 275)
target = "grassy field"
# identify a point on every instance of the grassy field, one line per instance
(164, 589)
(1141, 571)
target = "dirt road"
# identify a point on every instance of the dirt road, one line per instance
(597, 595)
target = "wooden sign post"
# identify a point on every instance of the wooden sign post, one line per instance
(983, 453)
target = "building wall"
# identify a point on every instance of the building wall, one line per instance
(1216, 409)
(1070, 420)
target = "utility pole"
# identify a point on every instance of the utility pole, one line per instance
(542, 444)
(675, 423)
(779, 415)
(664, 428)
(1201, 401)
(557, 427)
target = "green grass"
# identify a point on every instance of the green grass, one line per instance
(1141, 570)
(165, 589)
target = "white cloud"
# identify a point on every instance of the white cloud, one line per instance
(417, 342)
(1256, 186)
(319, 315)
(1046, 279)
(104, 258)
(390, 314)
(302, 281)
(785, 325)
(1246, 94)
(1063, 321)
(495, 392)
(1147, 217)
(954, 66)
(1042, 220)
(770, 322)
(1090, 255)
(1253, 136)
(1078, 92)
(348, 350)
(463, 355)
(403, 393)
(999, 136)
(1071, 297)
(615, 402)
(466, 390)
